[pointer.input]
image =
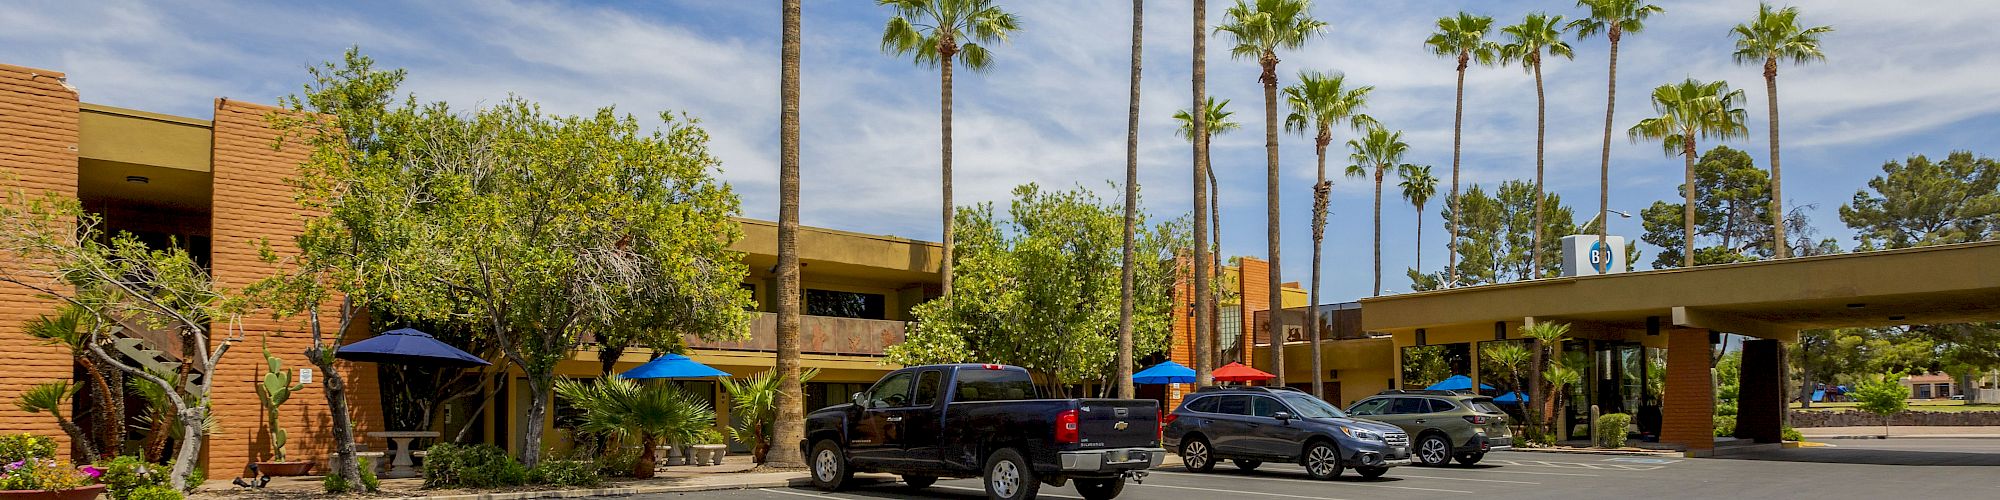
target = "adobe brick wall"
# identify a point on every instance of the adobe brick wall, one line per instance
(38, 140)
(1688, 410)
(253, 201)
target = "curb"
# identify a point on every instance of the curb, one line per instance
(618, 492)
(1628, 453)
(1911, 436)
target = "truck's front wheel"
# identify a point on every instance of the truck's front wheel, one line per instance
(829, 466)
(1009, 477)
(1100, 489)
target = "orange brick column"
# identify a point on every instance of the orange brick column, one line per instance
(253, 202)
(1688, 410)
(38, 141)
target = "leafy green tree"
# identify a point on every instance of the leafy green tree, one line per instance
(1883, 395)
(1919, 202)
(939, 34)
(1260, 30)
(1319, 102)
(1688, 111)
(1478, 230)
(1418, 187)
(1613, 18)
(1522, 257)
(640, 413)
(1775, 34)
(1037, 289)
(1463, 37)
(1536, 34)
(1731, 213)
(1374, 153)
(1824, 356)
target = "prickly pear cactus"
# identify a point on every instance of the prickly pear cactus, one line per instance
(276, 388)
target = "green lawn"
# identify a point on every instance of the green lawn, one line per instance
(1924, 405)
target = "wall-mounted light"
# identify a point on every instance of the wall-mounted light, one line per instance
(137, 179)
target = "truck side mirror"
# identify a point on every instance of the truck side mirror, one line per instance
(1282, 416)
(859, 400)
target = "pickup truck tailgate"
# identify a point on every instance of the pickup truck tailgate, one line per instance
(1118, 423)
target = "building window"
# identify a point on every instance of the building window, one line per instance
(845, 304)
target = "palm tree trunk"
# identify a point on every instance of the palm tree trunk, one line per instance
(1277, 297)
(1536, 398)
(1457, 124)
(1777, 193)
(1420, 240)
(1541, 135)
(789, 426)
(1204, 320)
(944, 104)
(1214, 249)
(1320, 193)
(1687, 208)
(1604, 159)
(1131, 212)
(1379, 171)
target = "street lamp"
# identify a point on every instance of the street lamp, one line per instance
(1593, 219)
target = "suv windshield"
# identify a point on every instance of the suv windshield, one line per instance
(1310, 407)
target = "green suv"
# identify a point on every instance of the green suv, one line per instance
(1444, 424)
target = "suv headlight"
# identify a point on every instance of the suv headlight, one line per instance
(1362, 434)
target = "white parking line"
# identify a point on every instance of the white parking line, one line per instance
(1465, 479)
(1503, 471)
(1575, 465)
(799, 493)
(984, 491)
(1238, 492)
(1315, 481)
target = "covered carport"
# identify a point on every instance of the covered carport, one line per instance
(1679, 310)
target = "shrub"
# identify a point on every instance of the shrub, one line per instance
(43, 474)
(1611, 429)
(1793, 434)
(126, 474)
(1725, 426)
(334, 483)
(154, 492)
(23, 446)
(474, 466)
(565, 473)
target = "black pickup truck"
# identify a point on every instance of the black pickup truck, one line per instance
(972, 420)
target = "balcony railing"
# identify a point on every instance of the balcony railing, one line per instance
(817, 335)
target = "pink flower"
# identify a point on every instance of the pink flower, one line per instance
(93, 472)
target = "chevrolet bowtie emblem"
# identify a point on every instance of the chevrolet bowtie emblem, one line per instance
(1120, 425)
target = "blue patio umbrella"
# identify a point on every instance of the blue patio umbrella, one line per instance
(673, 366)
(408, 346)
(1165, 373)
(1457, 383)
(1511, 398)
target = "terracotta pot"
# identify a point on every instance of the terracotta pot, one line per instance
(298, 468)
(84, 493)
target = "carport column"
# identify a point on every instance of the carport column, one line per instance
(1688, 410)
(1760, 400)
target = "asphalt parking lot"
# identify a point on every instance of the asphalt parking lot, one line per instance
(1534, 475)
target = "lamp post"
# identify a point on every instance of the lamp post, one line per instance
(1585, 228)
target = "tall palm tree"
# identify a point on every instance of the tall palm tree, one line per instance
(1536, 34)
(1690, 110)
(1614, 18)
(937, 33)
(1542, 337)
(755, 400)
(791, 420)
(1260, 30)
(1204, 300)
(1131, 212)
(1418, 187)
(1377, 151)
(1216, 118)
(1774, 35)
(1464, 37)
(1318, 102)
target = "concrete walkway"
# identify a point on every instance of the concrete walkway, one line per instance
(1901, 432)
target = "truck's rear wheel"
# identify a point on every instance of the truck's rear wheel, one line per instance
(1009, 477)
(829, 466)
(1099, 488)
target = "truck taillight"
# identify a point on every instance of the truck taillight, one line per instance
(1066, 431)
(1166, 418)
(990, 366)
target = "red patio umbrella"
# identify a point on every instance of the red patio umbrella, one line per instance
(1236, 372)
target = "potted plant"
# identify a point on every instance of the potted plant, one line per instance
(276, 388)
(710, 449)
(41, 478)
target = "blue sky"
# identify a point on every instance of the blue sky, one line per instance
(1918, 77)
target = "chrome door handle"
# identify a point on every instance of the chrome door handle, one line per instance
(1418, 420)
(894, 419)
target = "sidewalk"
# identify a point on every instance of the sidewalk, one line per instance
(736, 472)
(1901, 432)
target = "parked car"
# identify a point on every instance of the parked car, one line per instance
(1252, 425)
(1448, 425)
(973, 420)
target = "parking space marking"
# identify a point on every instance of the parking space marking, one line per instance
(798, 493)
(1576, 465)
(1467, 479)
(982, 491)
(1314, 481)
(1497, 470)
(1239, 492)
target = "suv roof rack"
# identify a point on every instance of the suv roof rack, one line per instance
(1245, 388)
(1425, 392)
